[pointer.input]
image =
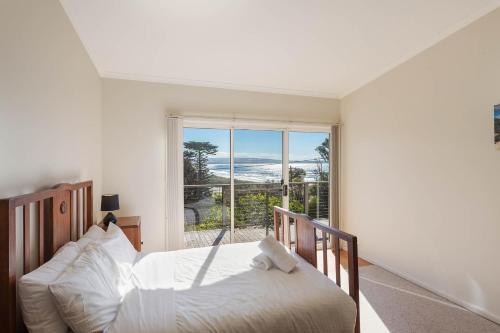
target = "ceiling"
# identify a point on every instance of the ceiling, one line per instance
(324, 48)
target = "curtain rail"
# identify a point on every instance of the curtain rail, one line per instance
(228, 122)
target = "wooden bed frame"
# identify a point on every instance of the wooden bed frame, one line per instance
(305, 246)
(58, 215)
(58, 220)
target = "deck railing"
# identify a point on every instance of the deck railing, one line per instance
(207, 206)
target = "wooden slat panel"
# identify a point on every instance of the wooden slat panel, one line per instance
(61, 220)
(85, 216)
(283, 218)
(336, 253)
(71, 221)
(8, 301)
(289, 235)
(306, 240)
(41, 233)
(48, 217)
(325, 253)
(26, 238)
(78, 215)
(88, 207)
(352, 263)
(276, 225)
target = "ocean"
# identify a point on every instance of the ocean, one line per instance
(262, 172)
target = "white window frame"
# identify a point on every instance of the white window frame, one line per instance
(285, 127)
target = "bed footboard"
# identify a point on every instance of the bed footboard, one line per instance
(305, 246)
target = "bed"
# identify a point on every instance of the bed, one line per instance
(194, 290)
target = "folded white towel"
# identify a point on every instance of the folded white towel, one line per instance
(278, 254)
(262, 262)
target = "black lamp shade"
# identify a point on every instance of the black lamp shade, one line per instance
(109, 202)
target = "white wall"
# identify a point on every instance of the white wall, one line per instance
(50, 101)
(420, 185)
(134, 136)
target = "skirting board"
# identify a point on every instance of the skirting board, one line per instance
(471, 307)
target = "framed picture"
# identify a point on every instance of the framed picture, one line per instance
(496, 117)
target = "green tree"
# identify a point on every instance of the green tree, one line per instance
(297, 174)
(324, 153)
(189, 170)
(296, 194)
(324, 150)
(256, 209)
(196, 171)
(197, 153)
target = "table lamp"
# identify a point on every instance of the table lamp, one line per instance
(109, 203)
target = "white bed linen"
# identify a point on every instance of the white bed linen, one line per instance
(39, 310)
(150, 306)
(87, 294)
(216, 290)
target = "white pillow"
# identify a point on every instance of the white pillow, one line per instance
(113, 240)
(118, 245)
(87, 294)
(93, 234)
(39, 310)
(278, 254)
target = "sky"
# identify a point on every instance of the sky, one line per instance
(259, 144)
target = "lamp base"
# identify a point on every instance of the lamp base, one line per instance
(109, 218)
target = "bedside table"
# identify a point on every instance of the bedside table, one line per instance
(131, 226)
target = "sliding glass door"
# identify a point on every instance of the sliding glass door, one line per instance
(309, 174)
(234, 177)
(258, 182)
(207, 187)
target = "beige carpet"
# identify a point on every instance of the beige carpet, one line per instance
(392, 304)
(389, 303)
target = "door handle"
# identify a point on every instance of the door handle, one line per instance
(285, 190)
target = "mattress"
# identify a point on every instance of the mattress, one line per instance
(215, 289)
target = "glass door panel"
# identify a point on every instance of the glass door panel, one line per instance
(258, 178)
(309, 166)
(207, 187)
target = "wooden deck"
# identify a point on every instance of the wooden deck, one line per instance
(251, 234)
(222, 236)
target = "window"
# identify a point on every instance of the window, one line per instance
(234, 177)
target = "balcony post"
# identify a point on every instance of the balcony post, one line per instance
(317, 200)
(306, 198)
(224, 217)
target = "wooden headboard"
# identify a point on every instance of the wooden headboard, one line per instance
(305, 246)
(56, 216)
